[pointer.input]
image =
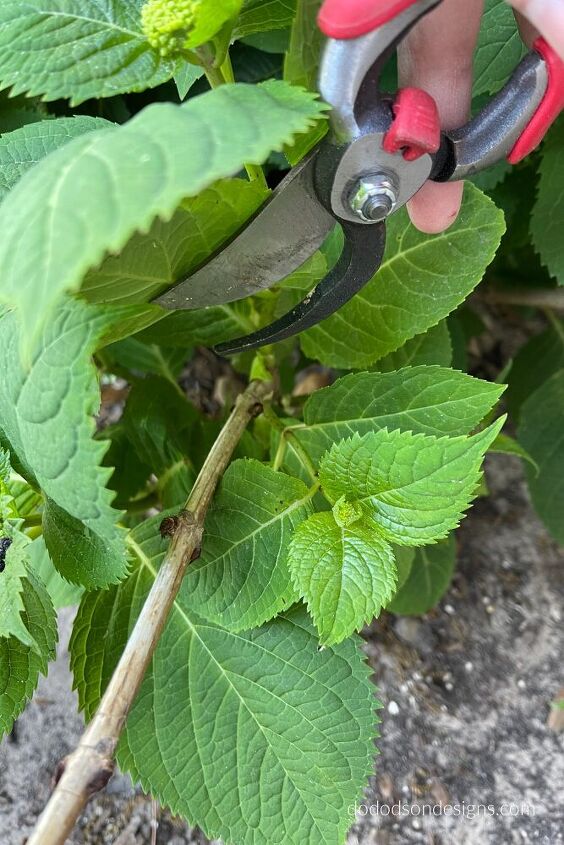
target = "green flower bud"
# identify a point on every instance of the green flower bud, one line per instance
(346, 513)
(167, 24)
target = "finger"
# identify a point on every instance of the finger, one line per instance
(437, 56)
(547, 16)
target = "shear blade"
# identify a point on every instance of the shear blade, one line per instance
(360, 259)
(285, 232)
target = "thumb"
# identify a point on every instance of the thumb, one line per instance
(437, 56)
(547, 17)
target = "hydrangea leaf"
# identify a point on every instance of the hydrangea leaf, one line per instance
(426, 400)
(278, 735)
(432, 347)
(171, 249)
(346, 573)
(415, 487)
(428, 579)
(264, 15)
(28, 632)
(540, 433)
(547, 218)
(499, 48)
(538, 359)
(89, 197)
(24, 147)
(77, 49)
(242, 579)
(421, 280)
(62, 592)
(46, 422)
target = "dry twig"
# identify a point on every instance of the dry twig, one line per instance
(90, 766)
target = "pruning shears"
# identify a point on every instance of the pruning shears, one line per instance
(380, 151)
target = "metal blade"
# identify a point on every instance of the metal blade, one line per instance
(286, 231)
(360, 259)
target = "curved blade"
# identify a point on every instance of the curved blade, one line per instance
(285, 232)
(359, 261)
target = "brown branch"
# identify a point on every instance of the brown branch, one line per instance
(91, 764)
(540, 298)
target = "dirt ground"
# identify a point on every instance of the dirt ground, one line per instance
(466, 689)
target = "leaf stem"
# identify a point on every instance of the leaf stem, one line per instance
(287, 436)
(223, 75)
(91, 764)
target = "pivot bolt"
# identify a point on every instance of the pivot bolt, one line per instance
(374, 197)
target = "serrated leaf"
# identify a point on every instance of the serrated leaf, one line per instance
(89, 198)
(540, 433)
(536, 361)
(421, 280)
(23, 148)
(46, 422)
(306, 40)
(13, 581)
(171, 249)
(186, 75)
(415, 487)
(278, 735)
(426, 400)
(157, 420)
(547, 219)
(428, 579)
(432, 347)
(346, 574)
(506, 445)
(62, 592)
(264, 15)
(242, 578)
(136, 357)
(499, 49)
(21, 664)
(77, 49)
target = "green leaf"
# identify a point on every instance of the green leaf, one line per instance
(150, 263)
(77, 49)
(242, 578)
(499, 49)
(22, 148)
(46, 423)
(540, 433)
(421, 280)
(428, 580)
(506, 445)
(306, 41)
(14, 580)
(345, 573)
(89, 197)
(536, 361)
(547, 219)
(425, 400)
(264, 15)
(277, 734)
(137, 357)
(81, 554)
(22, 663)
(415, 487)
(157, 420)
(185, 76)
(62, 592)
(432, 347)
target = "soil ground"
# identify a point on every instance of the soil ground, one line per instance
(466, 689)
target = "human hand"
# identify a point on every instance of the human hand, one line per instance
(437, 56)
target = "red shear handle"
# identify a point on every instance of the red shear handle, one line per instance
(551, 105)
(352, 18)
